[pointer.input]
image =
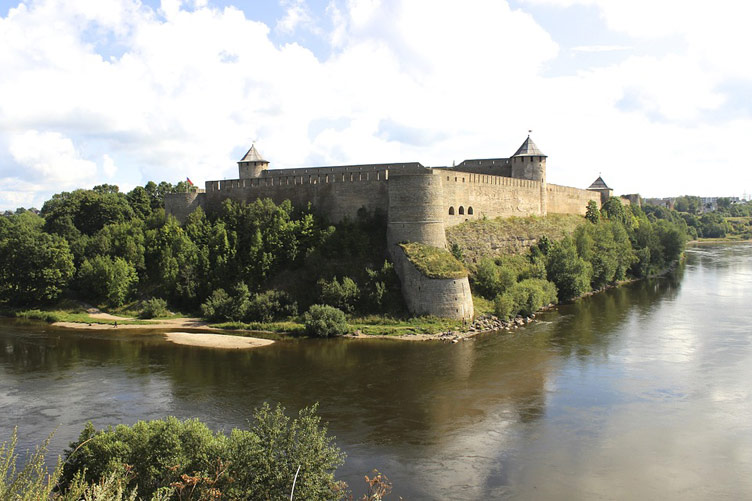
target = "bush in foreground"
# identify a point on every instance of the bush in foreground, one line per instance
(325, 321)
(175, 459)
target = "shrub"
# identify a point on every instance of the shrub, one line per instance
(325, 321)
(186, 460)
(32, 481)
(221, 306)
(342, 295)
(486, 278)
(381, 291)
(154, 307)
(270, 305)
(217, 306)
(532, 294)
(504, 306)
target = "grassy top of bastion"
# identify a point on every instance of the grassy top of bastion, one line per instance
(481, 238)
(434, 262)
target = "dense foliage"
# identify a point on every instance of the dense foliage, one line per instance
(35, 267)
(253, 262)
(615, 243)
(169, 455)
(164, 460)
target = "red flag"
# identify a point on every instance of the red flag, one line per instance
(189, 181)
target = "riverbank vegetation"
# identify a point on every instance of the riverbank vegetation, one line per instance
(262, 266)
(615, 243)
(277, 457)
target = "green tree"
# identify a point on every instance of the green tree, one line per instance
(35, 267)
(615, 211)
(88, 210)
(140, 201)
(687, 203)
(592, 213)
(569, 272)
(343, 295)
(125, 240)
(217, 307)
(106, 279)
(172, 262)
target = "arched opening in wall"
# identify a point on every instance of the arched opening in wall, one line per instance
(451, 211)
(462, 210)
(469, 211)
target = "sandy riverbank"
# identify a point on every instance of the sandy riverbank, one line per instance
(222, 341)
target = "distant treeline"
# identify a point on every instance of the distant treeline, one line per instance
(728, 220)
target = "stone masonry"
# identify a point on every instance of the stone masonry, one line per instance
(420, 203)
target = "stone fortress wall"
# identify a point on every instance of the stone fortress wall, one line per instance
(420, 203)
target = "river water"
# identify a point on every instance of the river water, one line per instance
(644, 391)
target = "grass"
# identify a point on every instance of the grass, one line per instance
(376, 325)
(66, 310)
(372, 325)
(483, 306)
(285, 327)
(513, 235)
(434, 262)
(53, 315)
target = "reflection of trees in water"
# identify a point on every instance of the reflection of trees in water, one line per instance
(731, 256)
(587, 326)
(30, 347)
(387, 391)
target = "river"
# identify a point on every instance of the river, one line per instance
(644, 391)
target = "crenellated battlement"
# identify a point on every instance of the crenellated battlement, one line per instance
(420, 202)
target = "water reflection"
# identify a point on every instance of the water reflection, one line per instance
(613, 390)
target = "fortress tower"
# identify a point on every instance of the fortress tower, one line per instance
(530, 163)
(419, 202)
(600, 186)
(252, 164)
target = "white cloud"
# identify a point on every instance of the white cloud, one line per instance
(177, 93)
(296, 15)
(600, 48)
(108, 166)
(50, 157)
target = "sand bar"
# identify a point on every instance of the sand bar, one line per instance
(216, 340)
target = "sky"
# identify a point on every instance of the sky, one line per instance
(653, 95)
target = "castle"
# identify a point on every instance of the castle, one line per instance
(420, 203)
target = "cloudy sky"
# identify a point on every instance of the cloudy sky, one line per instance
(654, 94)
